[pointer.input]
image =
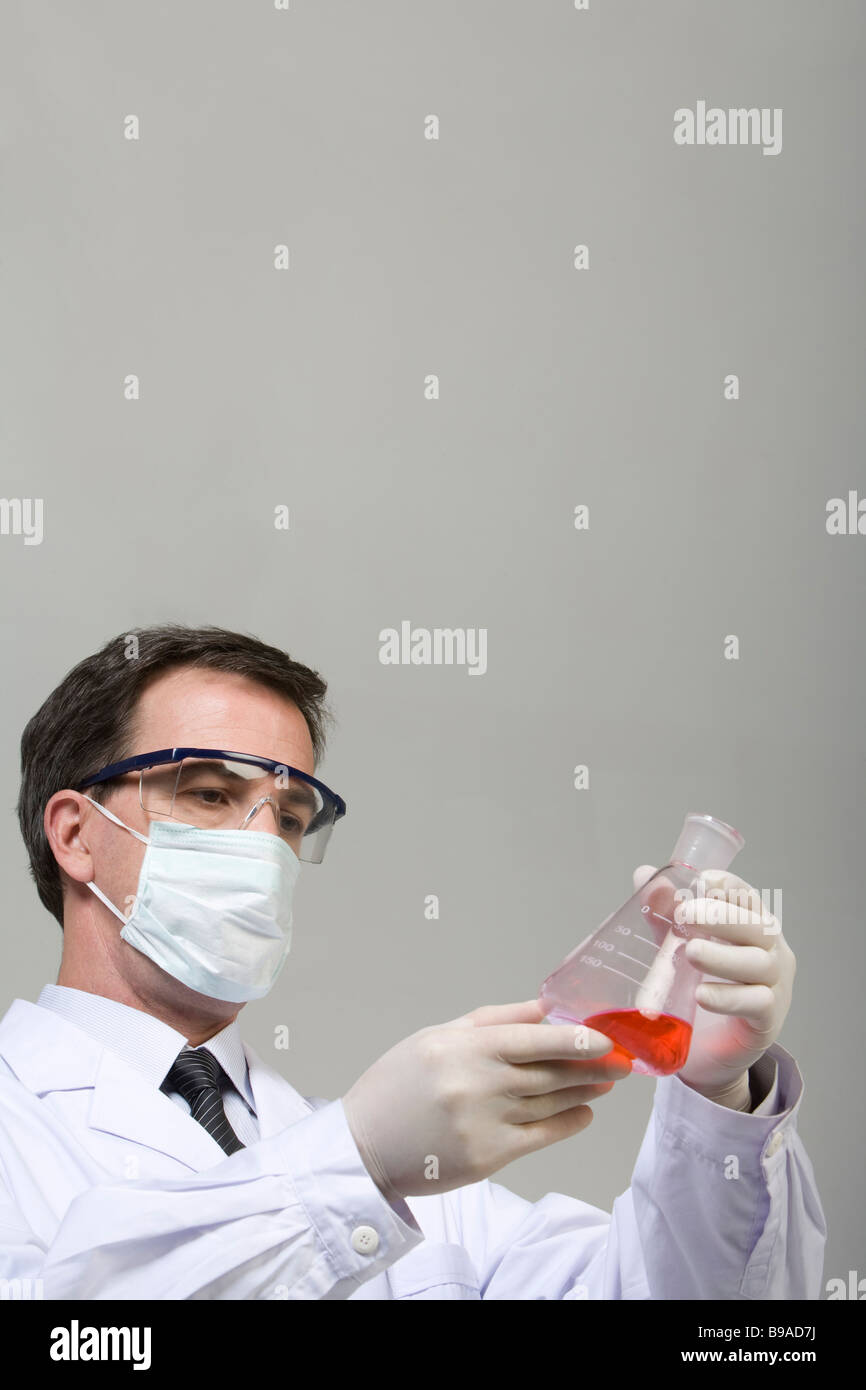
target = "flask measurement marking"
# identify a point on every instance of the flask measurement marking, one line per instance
(618, 972)
(634, 958)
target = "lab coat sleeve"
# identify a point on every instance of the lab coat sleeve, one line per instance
(722, 1205)
(273, 1221)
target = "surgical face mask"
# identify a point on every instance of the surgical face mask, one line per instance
(213, 907)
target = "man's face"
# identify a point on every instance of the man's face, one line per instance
(185, 707)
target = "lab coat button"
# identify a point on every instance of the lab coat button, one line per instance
(365, 1240)
(776, 1142)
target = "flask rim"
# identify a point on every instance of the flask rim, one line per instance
(722, 824)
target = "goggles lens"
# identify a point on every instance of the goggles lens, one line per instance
(219, 794)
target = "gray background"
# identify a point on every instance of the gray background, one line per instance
(601, 387)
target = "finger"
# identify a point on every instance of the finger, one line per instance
(641, 875)
(731, 923)
(659, 896)
(747, 965)
(721, 883)
(543, 1042)
(752, 1002)
(537, 1134)
(488, 1015)
(527, 1109)
(544, 1078)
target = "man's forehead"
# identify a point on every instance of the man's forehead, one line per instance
(188, 707)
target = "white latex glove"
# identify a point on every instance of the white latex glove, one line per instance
(740, 1014)
(456, 1102)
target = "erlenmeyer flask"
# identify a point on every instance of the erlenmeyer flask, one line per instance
(630, 979)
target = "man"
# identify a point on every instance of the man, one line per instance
(168, 797)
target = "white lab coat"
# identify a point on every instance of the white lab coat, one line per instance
(109, 1190)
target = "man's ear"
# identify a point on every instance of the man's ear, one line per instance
(63, 823)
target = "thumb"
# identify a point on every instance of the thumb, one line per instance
(489, 1015)
(642, 874)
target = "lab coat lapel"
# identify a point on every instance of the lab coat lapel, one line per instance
(47, 1053)
(126, 1104)
(276, 1101)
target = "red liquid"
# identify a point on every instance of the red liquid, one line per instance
(662, 1043)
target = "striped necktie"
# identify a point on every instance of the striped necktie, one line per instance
(196, 1074)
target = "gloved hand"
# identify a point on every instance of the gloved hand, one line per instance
(454, 1103)
(756, 967)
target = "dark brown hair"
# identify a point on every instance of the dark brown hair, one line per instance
(86, 723)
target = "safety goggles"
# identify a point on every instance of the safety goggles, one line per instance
(213, 789)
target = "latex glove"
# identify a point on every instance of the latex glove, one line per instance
(739, 1015)
(456, 1102)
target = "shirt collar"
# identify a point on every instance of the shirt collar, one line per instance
(144, 1042)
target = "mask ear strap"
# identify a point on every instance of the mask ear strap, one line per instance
(91, 885)
(93, 888)
(117, 821)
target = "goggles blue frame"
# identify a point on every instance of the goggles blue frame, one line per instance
(164, 756)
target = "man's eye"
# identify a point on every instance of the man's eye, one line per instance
(209, 795)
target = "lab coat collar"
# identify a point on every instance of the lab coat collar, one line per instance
(142, 1041)
(47, 1053)
(145, 1042)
